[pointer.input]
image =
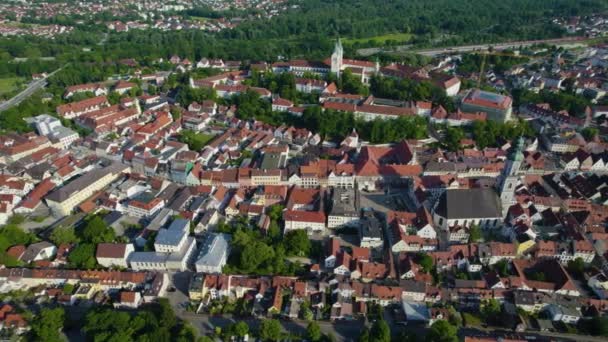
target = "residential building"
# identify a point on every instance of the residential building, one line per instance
(64, 199)
(498, 107)
(114, 254)
(213, 253)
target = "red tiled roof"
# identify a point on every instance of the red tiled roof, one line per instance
(81, 106)
(16, 251)
(304, 216)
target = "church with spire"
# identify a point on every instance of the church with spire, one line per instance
(363, 69)
(510, 175)
(337, 57)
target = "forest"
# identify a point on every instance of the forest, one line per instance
(310, 30)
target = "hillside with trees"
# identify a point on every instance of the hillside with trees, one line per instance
(310, 29)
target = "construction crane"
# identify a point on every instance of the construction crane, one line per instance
(484, 56)
(481, 70)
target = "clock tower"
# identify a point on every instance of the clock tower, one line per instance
(336, 58)
(509, 176)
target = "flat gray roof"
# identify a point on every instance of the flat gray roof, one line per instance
(151, 257)
(212, 249)
(344, 203)
(83, 181)
(180, 224)
(169, 237)
(469, 204)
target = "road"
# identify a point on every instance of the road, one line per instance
(468, 48)
(500, 46)
(33, 87)
(343, 331)
(529, 336)
(205, 324)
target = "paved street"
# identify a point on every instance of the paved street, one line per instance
(530, 336)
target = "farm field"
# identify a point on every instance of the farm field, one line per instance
(399, 37)
(9, 84)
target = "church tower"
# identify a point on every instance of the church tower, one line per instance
(377, 67)
(508, 177)
(336, 58)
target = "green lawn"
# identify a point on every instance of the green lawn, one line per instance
(196, 141)
(400, 37)
(471, 320)
(9, 84)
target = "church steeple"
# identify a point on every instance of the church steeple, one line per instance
(516, 153)
(337, 57)
(508, 178)
(377, 66)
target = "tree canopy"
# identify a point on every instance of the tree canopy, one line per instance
(155, 322)
(97, 231)
(442, 331)
(270, 330)
(48, 325)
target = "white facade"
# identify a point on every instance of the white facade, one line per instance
(139, 212)
(294, 225)
(118, 261)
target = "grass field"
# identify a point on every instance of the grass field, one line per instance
(9, 84)
(399, 37)
(196, 141)
(471, 320)
(199, 19)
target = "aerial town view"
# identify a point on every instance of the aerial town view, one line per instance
(304, 170)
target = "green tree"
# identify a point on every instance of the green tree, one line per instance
(12, 234)
(275, 212)
(576, 266)
(453, 136)
(255, 256)
(380, 332)
(114, 98)
(166, 316)
(364, 336)
(306, 312)
(62, 235)
(442, 331)
(270, 330)
(589, 133)
(474, 233)
(297, 242)
(425, 261)
(97, 231)
(16, 219)
(176, 113)
(597, 326)
(83, 256)
(47, 325)
(490, 310)
(241, 329)
(502, 267)
(313, 332)
(104, 324)
(351, 84)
